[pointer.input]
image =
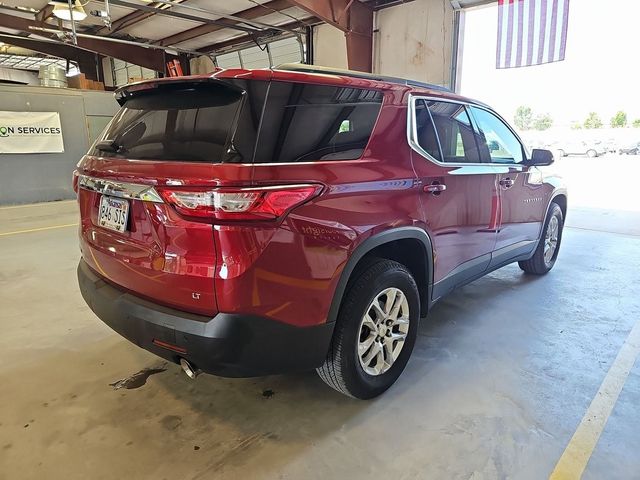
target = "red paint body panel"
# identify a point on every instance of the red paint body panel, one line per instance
(523, 206)
(288, 270)
(164, 257)
(291, 271)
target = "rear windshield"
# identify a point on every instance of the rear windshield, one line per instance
(189, 124)
(229, 121)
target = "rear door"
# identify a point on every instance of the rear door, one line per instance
(166, 137)
(460, 200)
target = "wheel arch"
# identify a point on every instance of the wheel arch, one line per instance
(560, 199)
(388, 245)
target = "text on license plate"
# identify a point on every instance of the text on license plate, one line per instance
(113, 213)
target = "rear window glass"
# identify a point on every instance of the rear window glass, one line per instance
(193, 123)
(306, 122)
(219, 122)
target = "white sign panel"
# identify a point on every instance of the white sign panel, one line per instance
(30, 132)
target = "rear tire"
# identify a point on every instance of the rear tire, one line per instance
(592, 153)
(543, 259)
(562, 153)
(365, 332)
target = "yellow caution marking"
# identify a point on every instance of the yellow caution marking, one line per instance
(41, 229)
(41, 204)
(580, 448)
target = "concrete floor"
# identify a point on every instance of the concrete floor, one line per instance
(502, 374)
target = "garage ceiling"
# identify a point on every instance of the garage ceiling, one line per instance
(170, 25)
(182, 26)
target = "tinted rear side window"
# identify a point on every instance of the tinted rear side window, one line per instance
(455, 132)
(195, 123)
(426, 133)
(305, 122)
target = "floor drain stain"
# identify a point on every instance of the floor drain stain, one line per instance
(138, 379)
(268, 393)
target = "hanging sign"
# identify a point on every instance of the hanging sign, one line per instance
(30, 132)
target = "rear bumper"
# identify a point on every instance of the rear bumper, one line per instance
(228, 345)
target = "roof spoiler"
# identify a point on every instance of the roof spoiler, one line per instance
(123, 94)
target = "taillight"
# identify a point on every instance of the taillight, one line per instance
(74, 180)
(228, 204)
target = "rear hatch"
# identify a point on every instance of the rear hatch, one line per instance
(167, 136)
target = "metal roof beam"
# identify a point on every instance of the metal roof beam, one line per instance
(124, 22)
(184, 16)
(45, 13)
(128, 20)
(352, 17)
(248, 14)
(214, 47)
(152, 58)
(85, 60)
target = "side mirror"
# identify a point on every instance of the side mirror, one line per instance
(540, 158)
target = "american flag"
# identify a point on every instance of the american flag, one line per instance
(531, 32)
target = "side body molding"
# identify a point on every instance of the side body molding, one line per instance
(401, 233)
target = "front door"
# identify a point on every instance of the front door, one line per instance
(521, 189)
(460, 198)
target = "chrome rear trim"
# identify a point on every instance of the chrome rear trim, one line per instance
(132, 191)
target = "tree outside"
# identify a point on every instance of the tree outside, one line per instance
(619, 120)
(593, 121)
(636, 123)
(543, 122)
(523, 117)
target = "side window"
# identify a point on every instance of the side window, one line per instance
(244, 138)
(453, 130)
(427, 137)
(305, 122)
(498, 143)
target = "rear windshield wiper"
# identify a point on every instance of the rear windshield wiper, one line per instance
(109, 146)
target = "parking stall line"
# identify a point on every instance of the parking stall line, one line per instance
(40, 229)
(41, 204)
(576, 455)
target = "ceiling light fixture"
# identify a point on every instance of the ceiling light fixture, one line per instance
(61, 10)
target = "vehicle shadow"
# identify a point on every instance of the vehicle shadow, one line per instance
(238, 427)
(286, 414)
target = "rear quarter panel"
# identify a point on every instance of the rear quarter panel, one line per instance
(294, 267)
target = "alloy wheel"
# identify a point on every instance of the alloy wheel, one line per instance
(383, 330)
(551, 239)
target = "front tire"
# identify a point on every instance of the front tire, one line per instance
(544, 258)
(592, 153)
(375, 331)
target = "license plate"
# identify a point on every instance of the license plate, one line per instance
(113, 213)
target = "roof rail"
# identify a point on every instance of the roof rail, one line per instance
(301, 67)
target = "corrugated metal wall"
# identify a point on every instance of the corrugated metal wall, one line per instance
(415, 40)
(27, 178)
(411, 40)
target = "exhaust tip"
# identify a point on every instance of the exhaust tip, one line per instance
(191, 371)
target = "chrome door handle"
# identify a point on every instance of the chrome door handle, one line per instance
(435, 188)
(506, 182)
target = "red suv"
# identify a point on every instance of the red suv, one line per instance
(254, 222)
